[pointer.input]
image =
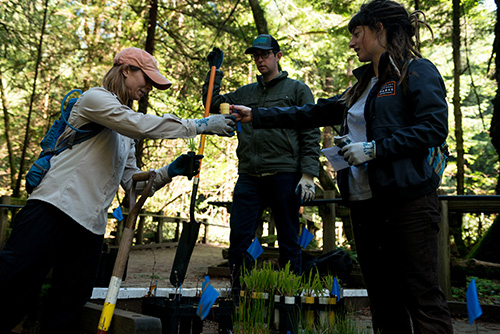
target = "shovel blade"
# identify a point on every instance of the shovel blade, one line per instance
(187, 241)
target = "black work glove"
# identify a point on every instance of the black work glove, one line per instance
(186, 164)
(215, 58)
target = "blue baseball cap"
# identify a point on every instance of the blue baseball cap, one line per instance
(263, 42)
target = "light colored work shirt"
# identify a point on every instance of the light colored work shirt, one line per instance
(83, 181)
(359, 186)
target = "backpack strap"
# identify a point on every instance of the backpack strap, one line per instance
(78, 135)
(69, 106)
(87, 131)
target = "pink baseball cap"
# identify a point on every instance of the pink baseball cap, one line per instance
(146, 62)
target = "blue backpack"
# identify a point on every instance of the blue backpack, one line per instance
(48, 144)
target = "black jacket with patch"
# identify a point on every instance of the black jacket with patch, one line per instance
(404, 125)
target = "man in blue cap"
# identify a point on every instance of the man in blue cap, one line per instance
(275, 166)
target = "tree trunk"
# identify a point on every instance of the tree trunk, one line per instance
(495, 121)
(150, 47)
(456, 219)
(6, 120)
(488, 248)
(17, 189)
(258, 16)
(456, 97)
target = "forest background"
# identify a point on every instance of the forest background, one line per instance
(48, 47)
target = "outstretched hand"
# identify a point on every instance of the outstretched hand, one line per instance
(241, 113)
(221, 125)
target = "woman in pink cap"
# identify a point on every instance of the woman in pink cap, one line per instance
(63, 223)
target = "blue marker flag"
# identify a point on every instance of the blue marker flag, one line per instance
(117, 213)
(255, 249)
(305, 238)
(205, 282)
(335, 288)
(473, 308)
(208, 297)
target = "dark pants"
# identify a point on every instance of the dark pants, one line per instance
(43, 238)
(397, 246)
(251, 196)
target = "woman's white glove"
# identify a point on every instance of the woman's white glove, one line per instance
(161, 179)
(221, 125)
(306, 188)
(185, 164)
(358, 153)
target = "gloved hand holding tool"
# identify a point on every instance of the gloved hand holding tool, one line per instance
(215, 58)
(124, 249)
(359, 153)
(190, 230)
(185, 164)
(306, 188)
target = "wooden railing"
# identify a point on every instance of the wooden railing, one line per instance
(449, 204)
(12, 205)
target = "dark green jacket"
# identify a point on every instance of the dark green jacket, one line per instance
(271, 150)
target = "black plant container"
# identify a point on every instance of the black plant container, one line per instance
(178, 315)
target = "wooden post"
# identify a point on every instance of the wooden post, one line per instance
(271, 228)
(329, 223)
(177, 227)
(444, 251)
(159, 228)
(119, 230)
(204, 221)
(139, 238)
(4, 220)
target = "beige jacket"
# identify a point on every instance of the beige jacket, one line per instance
(83, 181)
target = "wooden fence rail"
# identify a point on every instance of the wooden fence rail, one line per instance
(8, 204)
(449, 204)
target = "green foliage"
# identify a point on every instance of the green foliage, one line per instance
(474, 227)
(488, 291)
(260, 279)
(288, 283)
(81, 39)
(312, 284)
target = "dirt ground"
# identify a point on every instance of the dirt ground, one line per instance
(157, 262)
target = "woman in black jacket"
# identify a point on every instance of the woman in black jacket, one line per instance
(393, 115)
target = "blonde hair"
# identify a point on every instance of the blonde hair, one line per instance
(114, 81)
